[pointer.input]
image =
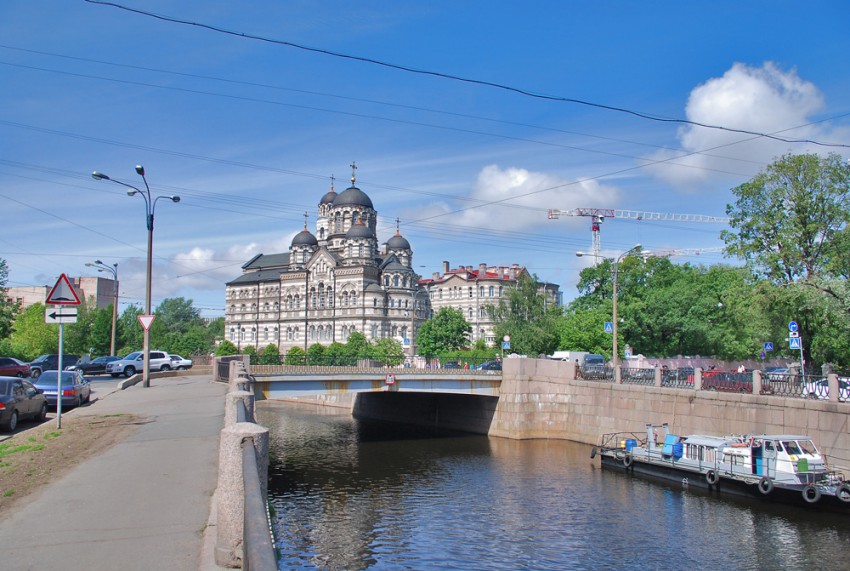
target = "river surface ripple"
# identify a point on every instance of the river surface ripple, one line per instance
(352, 495)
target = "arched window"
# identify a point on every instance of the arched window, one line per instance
(481, 291)
(392, 302)
(312, 333)
(470, 292)
(330, 297)
(359, 250)
(395, 281)
(492, 292)
(470, 313)
(353, 299)
(500, 291)
(387, 281)
(322, 296)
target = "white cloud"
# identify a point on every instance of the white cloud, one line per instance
(515, 199)
(762, 99)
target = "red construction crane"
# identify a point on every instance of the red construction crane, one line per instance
(598, 216)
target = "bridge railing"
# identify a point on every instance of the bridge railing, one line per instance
(243, 532)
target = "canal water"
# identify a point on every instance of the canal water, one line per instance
(352, 495)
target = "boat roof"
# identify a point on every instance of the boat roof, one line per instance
(781, 437)
(704, 440)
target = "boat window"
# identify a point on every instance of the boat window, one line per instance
(807, 446)
(768, 445)
(791, 447)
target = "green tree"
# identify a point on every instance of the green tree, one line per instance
(357, 347)
(524, 316)
(131, 332)
(177, 315)
(316, 354)
(295, 356)
(31, 336)
(446, 331)
(789, 222)
(8, 307)
(583, 330)
(226, 348)
(388, 351)
(270, 355)
(790, 225)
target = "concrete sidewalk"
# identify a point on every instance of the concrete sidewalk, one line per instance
(144, 503)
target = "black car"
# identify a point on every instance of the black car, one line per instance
(51, 363)
(491, 366)
(95, 367)
(20, 399)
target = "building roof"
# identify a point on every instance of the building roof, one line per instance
(353, 196)
(262, 261)
(359, 230)
(305, 238)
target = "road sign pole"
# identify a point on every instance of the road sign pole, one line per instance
(59, 377)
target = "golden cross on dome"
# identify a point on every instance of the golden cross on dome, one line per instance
(333, 178)
(397, 231)
(305, 220)
(353, 172)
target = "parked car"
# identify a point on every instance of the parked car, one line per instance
(776, 374)
(11, 367)
(490, 366)
(19, 399)
(51, 363)
(452, 365)
(134, 362)
(820, 390)
(76, 390)
(96, 366)
(178, 363)
(727, 381)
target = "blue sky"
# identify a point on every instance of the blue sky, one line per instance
(248, 132)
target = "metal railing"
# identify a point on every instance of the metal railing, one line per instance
(258, 550)
(596, 373)
(634, 376)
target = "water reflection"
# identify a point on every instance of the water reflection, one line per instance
(354, 495)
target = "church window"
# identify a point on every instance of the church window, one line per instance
(492, 291)
(395, 281)
(360, 250)
(330, 297)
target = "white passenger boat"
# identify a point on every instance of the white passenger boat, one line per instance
(776, 466)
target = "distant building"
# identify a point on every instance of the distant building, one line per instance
(473, 290)
(93, 291)
(329, 284)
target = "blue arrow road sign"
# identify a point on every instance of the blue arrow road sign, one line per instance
(768, 346)
(792, 326)
(609, 327)
(794, 343)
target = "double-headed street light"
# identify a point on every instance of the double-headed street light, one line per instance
(113, 269)
(150, 207)
(615, 359)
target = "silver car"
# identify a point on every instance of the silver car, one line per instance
(76, 390)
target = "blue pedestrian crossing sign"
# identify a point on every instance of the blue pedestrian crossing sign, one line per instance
(609, 327)
(794, 343)
(768, 346)
(506, 344)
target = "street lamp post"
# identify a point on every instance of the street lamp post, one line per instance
(101, 267)
(150, 207)
(615, 358)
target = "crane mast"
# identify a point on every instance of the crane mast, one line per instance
(598, 215)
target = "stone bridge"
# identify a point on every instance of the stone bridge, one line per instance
(288, 381)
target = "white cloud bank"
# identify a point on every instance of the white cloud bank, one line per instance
(762, 99)
(514, 199)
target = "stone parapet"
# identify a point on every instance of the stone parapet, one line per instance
(542, 399)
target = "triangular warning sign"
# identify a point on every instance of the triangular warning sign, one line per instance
(146, 321)
(62, 293)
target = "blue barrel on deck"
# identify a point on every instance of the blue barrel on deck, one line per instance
(630, 443)
(678, 450)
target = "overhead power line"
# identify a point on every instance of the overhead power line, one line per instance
(441, 75)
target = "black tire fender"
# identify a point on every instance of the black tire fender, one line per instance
(593, 452)
(765, 485)
(811, 494)
(711, 477)
(628, 460)
(843, 493)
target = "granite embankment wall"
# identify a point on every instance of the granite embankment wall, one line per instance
(542, 399)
